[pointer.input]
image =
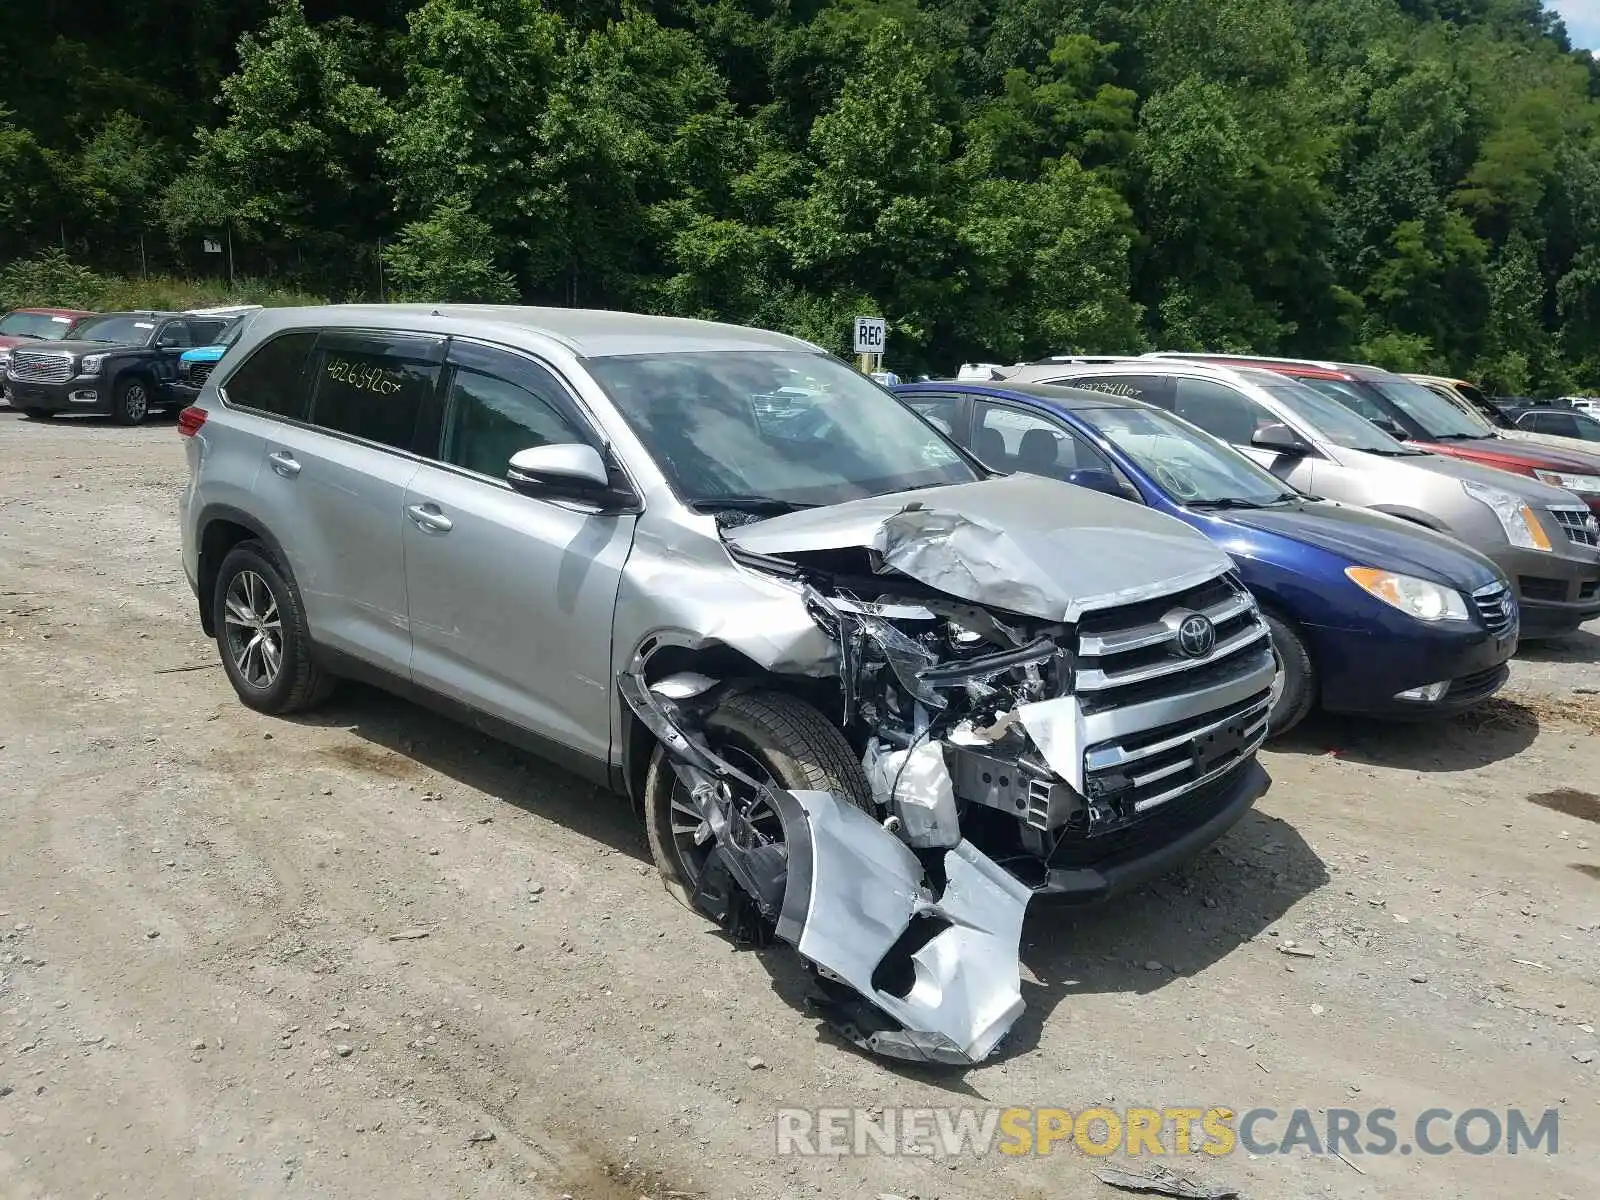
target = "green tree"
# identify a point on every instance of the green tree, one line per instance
(448, 256)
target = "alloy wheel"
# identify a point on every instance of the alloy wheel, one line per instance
(254, 629)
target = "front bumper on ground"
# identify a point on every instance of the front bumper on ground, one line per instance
(86, 393)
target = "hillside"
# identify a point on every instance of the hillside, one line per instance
(1410, 181)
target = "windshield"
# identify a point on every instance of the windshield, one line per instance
(1190, 465)
(35, 325)
(1334, 422)
(128, 330)
(781, 427)
(1436, 415)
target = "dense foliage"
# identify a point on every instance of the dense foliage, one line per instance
(1410, 181)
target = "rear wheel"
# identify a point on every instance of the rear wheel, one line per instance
(262, 635)
(773, 737)
(1294, 685)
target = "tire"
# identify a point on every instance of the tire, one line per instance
(770, 733)
(130, 403)
(37, 414)
(1296, 672)
(251, 578)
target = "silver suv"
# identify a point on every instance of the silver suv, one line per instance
(843, 670)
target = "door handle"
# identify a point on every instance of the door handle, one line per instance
(429, 518)
(284, 463)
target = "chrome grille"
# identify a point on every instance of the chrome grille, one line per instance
(1177, 716)
(38, 366)
(195, 374)
(1578, 523)
(1497, 607)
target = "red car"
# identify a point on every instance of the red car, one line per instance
(34, 325)
(1423, 419)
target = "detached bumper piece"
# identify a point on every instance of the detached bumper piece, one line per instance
(907, 972)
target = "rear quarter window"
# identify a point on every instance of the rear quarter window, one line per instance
(383, 389)
(272, 379)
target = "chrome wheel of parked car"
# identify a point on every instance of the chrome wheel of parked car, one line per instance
(132, 404)
(254, 629)
(1294, 688)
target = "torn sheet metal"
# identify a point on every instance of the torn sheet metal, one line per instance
(853, 891)
(844, 891)
(1056, 727)
(1024, 544)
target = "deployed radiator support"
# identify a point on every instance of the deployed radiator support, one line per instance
(856, 903)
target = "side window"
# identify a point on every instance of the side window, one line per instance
(272, 379)
(1152, 389)
(1561, 424)
(174, 335)
(1218, 409)
(1009, 439)
(381, 387)
(500, 404)
(940, 411)
(205, 333)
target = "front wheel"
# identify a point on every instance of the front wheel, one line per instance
(1294, 684)
(130, 403)
(776, 738)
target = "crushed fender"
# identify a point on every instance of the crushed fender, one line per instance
(908, 969)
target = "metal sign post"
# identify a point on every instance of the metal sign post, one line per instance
(870, 335)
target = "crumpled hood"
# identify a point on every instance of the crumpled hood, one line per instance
(1372, 539)
(1021, 543)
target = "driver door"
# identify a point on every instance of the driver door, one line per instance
(511, 596)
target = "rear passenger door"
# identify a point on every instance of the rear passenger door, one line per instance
(511, 596)
(334, 485)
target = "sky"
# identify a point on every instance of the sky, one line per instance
(1583, 21)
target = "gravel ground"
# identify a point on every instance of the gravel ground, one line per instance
(370, 953)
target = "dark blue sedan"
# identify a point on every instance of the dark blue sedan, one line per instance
(1369, 614)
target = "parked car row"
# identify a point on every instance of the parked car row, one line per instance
(126, 365)
(1402, 590)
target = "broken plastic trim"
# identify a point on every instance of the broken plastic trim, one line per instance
(844, 893)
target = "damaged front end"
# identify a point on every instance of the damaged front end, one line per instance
(1036, 709)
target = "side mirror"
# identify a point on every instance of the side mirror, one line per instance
(570, 469)
(1280, 439)
(1099, 480)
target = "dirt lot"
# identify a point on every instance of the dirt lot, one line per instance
(202, 992)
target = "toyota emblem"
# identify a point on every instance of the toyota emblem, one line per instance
(1196, 636)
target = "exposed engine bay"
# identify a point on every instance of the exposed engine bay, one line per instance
(956, 658)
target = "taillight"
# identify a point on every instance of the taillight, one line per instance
(190, 420)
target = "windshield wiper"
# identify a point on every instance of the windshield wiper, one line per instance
(748, 503)
(1454, 437)
(1234, 502)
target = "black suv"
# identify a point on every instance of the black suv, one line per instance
(123, 364)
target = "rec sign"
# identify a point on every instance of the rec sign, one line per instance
(869, 335)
